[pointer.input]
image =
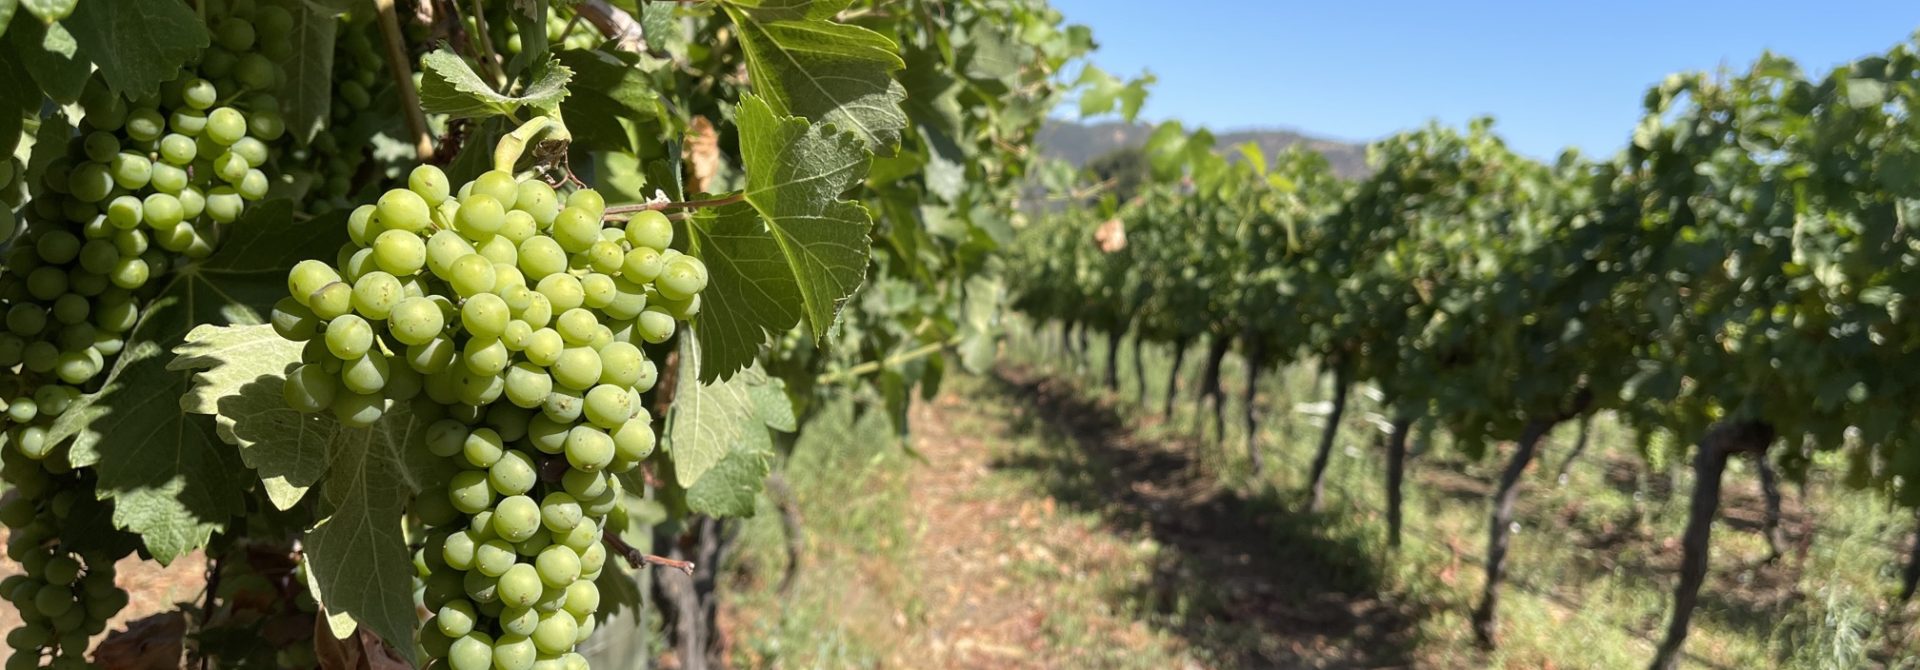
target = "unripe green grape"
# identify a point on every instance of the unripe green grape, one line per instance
(480, 588)
(528, 385)
(253, 186)
(349, 337)
(480, 216)
(483, 447)
(516, 335)
(642, 265)
(446, 438)
(415, 321)
(356, 410)
(200, 93)
(401, 209)
(598, 291)
(650, 230)
(145, 125)
(367, 374)
(432, 357)
(520, 585)
(544, 347)
(90, 182)
(168, 178)
(400, 252)
(130, 273)
(654, 326)
(509, 421)
(516, 518)
(546, 434)
(485, 315)
(513, 474)
(306, 277)
(577, 368)
(494, 556)
(608, 406)
(130, 171)
(556, 631)
(576, 326)
(519, 227)
(124, 212)
(225, 204)
(514, 652)
(518, 621)
(500, 185)
(470, 275)
(469, 492)
(230, 167)
(560, 512)
(588, 199)
(375, 294)
(457, 551)
(251, 150)
(363, 227)
(430, 183)
(576, 229)
(589, 448)
(100, 146)
(583, 599)
(178, 149)
(541, 257)
(294, 321)
(53, 600)
(226, 125)
(486, 356)
(331, 301)
(471, 652)
(634, 440)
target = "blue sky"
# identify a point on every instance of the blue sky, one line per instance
(1555, 73)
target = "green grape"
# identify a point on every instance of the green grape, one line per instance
(654, 326)
(145, 125)
(485, 315)
(520, 585)
(473, 651)
(415, 321)
(480, 216)
(576, 229)
(650, 230)
(494, 556)
(169, 179)
(541, 257)
(642, 265)
(598, 290)
(305, 278)
(367, 374)
(178, 149)
(130, 171)
(544, 347)
(528, 385)
(124, 212)
(538, 200)
(483, 447)
(432, 357)
(486, 356)
(252, 150)
(230, 167)
(310, 389)
(500, 185)
(577, 368)
(130, 273)
(560, 512)
(200, 93)
(293, 321)
(608, 406)
(519, 621)
(516, 335)
(546, 434)
(375, 294)
(514, 652)
(401, 209)
(518, 228)
(513, 474)
(583, 599)
(605, 257)
(469, 492)
(356, 410)
(556, 632)
(224, 204)
(446, 438)
(588, 199)
(430, 184)
(331, 301)
(516, 518)
(226, 125)
(576, 325)
(504, 255)
(400, 252)
(634, 440)
(558, 566)
(589, 449)
(471, 275)
(349, 337)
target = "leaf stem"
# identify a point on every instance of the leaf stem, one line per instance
(486, 46)
(636, 208)
(402, 72)
(871, 367)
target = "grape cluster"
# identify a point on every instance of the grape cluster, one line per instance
(339, 151)
(63, 597)
(522, 318)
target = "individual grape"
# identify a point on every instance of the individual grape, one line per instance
(483, 447)
(415, 321)
(494, 556)
(544, 347)
(654, 325)
(473, 651)
(528, 385)
(516, 518)
(499, 185)
(430, 183)
(485, 315)
(556, 632)
(634, 440)
(513, 474)
(520, 585)
(470, 275)
(469, 492)
(650, 230)
(577, 368)
(642, 265)
(226, 125)
(402, 209)
(365, 375)
(486, 356)
(349, 337)
(375, 294)
(305, 278)
(514, 652)
(541, 257)
(589, 449)
(480, 216)
(608, 406)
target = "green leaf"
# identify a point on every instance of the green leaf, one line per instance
(795, 175)
(732, 486)
(49, 11)
(711, 421)
(448, 86)
(53, 59)
(240, 373)
(138, 45)
(306, 101)
(791, 10)
(356, 552)
(826, 72)
(173, 480)
(609, 93)
(7, 8)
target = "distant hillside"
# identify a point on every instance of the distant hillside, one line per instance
(1078, 143)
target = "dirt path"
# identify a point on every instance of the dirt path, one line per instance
(1050, 535)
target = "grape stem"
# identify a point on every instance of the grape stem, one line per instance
(403, 78)
(637, 558)
(871, 367)
(635, 208)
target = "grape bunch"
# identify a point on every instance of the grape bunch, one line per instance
(63, 597)
(522, 319)
(339, 152)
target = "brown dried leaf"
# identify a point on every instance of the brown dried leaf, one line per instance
(1112, 236)
(366, 651)
(703, 154)
(153, 643)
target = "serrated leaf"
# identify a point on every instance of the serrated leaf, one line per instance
(52, 58)
(826, 72)
(307, 99)
(173, 480)
(791, 10)
(240, 370)
(609, 94)
(731, 487)
(138, 45)
(449, 86)
(710, 421)
(818, 256)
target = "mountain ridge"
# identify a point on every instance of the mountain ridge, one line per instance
(1078, 143)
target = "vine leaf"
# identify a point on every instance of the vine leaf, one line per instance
(49, 11)
(138, 45)
(356, 552)
(718, 431)
(51, 58)
(172, 479)
(307, 100)
(824, 71)
(802, 259)
(449, 86)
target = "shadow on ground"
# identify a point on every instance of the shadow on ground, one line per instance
(1244, 580)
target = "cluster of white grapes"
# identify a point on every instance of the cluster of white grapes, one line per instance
(520, 317)
(143, 184)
